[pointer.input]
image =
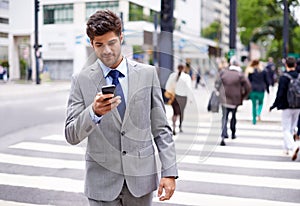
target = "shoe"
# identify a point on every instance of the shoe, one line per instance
(222, 143)
(180, 130)
(225, 137)
(296, 137)
(174, 133)
(295, 154)
(233, 137)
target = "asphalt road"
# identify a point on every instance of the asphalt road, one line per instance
(38, 167)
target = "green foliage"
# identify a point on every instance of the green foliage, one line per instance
(213, 31)
(23, 66)
(5, 63)
(262, 21)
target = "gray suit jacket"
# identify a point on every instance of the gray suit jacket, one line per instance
(117, 150)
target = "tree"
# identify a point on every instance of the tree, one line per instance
(267, 28)
(213, 31)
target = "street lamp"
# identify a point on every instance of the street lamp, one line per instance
(232, 28)
(36, 39)
(285, 29)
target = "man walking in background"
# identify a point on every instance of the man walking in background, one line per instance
(289, 115)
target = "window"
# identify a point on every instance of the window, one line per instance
(58, 14)
(92, 7)
(3, 20)
(135, 12)
(3, 35)
(4, 4)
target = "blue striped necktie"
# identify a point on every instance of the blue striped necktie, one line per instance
(115, 74)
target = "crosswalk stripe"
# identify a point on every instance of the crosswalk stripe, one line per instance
(241, 133)
(46, 147)
(196, 199)
(243, 163)
(229, 162)
(12, 203)
(55, 137)
(76, 186)
(41, 162)
(231, 150)
(43, 182)
(245, 180)
(49, 148)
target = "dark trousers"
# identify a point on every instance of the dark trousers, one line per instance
(298, 126)
(225, 113)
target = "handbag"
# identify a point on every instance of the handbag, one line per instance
(170, 96)
(214, 102)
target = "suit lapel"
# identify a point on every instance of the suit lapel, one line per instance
(133, 81)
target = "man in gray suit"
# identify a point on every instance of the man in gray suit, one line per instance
(122, 129)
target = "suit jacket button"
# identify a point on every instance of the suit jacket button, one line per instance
(124, 153)
(123, 133)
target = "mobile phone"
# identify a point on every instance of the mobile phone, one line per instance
(108, 89)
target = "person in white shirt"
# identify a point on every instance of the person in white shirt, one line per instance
(182, 83)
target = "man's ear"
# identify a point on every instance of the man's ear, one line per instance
(121, 37)
(92, 43)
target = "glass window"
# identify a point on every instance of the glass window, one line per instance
(3, 35)
(92, 7)
(58, 14)
(135, 12)
(3, 20)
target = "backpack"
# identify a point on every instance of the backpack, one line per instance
(293, 94)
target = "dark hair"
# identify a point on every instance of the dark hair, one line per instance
(254, 63)
(290, 62)
(180, 69)
(101, 22)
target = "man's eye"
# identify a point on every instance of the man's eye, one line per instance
(111, 43)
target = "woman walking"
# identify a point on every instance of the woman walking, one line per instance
(259, 84)
(182, 83)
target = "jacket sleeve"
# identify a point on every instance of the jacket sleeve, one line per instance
(162, 132)
(78, 123)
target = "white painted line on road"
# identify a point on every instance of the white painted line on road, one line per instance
(196, 199)
(11, 203)
(41, 162)
(241, 125)
(55, 107)
(43, 182)
(244, 163)
(55, 137)
(44, 147)
(230, 149)
(245, 180)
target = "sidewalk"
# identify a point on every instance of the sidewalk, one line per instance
(13, 88)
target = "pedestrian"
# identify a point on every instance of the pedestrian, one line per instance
(259, 84)
(183, 84)
(297, 135)
(270, 70)
(289, 116)
(233, 87)
(198, 79)
(120, 130)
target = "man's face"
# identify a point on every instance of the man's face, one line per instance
(108, 49)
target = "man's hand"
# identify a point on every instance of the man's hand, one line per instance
(168, 184)
(104, 103)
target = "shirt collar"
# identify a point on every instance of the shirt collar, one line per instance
(121, 68)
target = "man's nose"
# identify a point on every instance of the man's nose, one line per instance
(106, 49)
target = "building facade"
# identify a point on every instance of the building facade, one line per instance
(66, 47)
(4, 29)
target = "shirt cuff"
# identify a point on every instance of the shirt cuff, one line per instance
(95, 118)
